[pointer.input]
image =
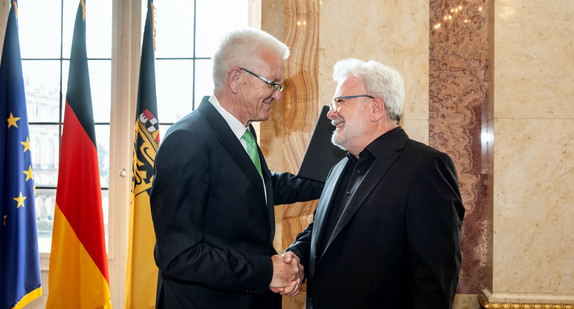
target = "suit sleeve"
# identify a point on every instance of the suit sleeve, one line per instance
(302, 247)
(179, 199)
(288, 188)
(434, 218)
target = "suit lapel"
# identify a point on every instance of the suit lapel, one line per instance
(268, 186)
(378, 169)
(326, 199)
(233, 145)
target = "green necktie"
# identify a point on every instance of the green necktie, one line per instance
(252, 150)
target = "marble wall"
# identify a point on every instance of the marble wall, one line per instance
(459, 67)
(483, 77)
(4, 10)
(533, 121)
(392, 32)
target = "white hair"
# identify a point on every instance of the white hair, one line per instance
(380, 80)
(243, 48)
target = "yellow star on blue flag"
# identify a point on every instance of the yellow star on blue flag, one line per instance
(12, 121)
(26, 144)
(28, 173)
(20, 199)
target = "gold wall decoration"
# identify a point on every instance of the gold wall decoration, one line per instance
(483, 301)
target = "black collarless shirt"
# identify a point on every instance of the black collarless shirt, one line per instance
(351, 179)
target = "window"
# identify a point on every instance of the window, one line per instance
(185, 42)
(187, 33)
(45, 49)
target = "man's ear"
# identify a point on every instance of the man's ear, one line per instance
(378, 110)
(234, 79)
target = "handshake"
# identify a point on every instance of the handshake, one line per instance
(288, 274)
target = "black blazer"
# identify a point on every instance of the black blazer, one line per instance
(213, 225)
(397, 243)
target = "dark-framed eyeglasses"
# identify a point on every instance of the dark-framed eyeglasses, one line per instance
(336, 102)
(273, 85)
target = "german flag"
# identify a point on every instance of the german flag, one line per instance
(78, 262)
(141, 277)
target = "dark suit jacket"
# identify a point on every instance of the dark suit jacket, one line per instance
(397, 244)
(213, 225)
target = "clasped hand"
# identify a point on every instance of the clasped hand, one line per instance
(288, 274)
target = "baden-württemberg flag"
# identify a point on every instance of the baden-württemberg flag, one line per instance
(20, 280)
(78, 262)
(141, 279)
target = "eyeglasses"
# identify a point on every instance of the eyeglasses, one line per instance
(336, 103)
(274, 86)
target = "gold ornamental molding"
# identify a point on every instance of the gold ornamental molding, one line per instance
(483, 301)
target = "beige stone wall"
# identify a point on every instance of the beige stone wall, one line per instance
(533, 191)
(395, 33)
(4, 10)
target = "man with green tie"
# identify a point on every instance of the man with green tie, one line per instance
(213, 195)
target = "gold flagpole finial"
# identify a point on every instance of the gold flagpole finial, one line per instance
(153, 22)
(83, 10)
(15, 5)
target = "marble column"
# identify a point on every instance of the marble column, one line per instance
(286, 135)
(459, 83)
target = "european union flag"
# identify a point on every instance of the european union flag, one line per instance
(19, 260)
